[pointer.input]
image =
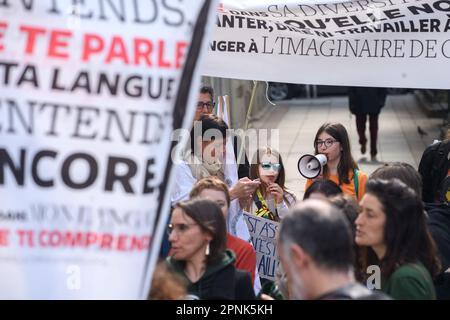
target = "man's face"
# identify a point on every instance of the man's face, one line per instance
(204, 105)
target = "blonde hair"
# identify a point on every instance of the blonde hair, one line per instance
(167, 285)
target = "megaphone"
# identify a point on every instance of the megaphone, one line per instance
(310, 166)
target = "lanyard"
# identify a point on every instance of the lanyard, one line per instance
(263, 209)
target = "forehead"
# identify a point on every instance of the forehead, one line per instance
(205, 97)
(212, 194)
(178, 216)
(269, 158)
(370, 201)
(325, 136)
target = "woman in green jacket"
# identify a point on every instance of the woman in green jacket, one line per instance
(392, 227)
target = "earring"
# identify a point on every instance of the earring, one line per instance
(207, 249)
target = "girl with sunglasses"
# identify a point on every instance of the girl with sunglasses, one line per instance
(332, 141)
(272, 199)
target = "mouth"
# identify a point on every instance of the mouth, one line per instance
(359, 233)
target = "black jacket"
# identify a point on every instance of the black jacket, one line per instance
(366, 100)
(219, 282)
(439, 225)
(433, 168)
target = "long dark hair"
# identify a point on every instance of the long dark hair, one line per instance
(254, 169)
(406, 233)
(209, 217)
(346, 162)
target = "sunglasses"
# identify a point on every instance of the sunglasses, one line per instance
(178, 227)
(273, 166)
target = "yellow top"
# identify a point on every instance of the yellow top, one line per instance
(348, 188)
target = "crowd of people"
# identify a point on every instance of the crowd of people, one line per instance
(352, 236)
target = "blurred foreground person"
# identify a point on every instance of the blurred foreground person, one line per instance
(167, 285)
(392, 225)
(197, 232)
(316, 252)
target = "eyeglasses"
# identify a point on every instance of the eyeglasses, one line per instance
(178, 227)
(328, 143)
(273, 166)
(207, 104)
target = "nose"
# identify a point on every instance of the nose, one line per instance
(172, 236)
(359, 220)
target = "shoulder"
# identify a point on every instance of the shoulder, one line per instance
(409, 270)
(410, 281)
(362, 175)
(290, 197)
(308, 183)
(182, 169)
(238, 244)
(433, 148)
(362, 178)
(354, 291)
(184, 181)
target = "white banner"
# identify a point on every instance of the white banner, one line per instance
(387, 43)
(264, 237)
(89, 96)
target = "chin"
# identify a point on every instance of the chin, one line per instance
(178, 256)
(360, 242)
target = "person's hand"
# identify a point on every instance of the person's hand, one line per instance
(320, 176)
(246, 204)
(244, 188)
(277, 192)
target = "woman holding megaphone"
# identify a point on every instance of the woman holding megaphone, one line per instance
(332, 141)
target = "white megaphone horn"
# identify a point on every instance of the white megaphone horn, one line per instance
(310, 166)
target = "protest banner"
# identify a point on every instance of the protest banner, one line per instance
(387, 43)
(90, 93)
(264, 236)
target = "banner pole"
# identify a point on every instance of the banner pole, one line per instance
(247, 120)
